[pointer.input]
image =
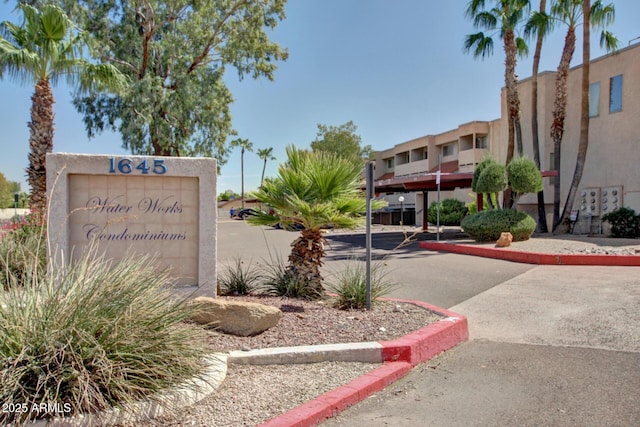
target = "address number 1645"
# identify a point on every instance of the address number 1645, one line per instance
(145, 166)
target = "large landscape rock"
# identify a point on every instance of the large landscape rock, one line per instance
(235, 317)
(504, 240)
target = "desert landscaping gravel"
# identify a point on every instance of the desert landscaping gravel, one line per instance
(251, 395)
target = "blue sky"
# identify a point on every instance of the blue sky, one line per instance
(395, 68)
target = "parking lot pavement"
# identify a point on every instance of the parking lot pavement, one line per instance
(557, 346)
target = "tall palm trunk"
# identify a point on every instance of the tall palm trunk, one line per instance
(513, 105)
(305, 261)
(542, 214)
(264, 168)
(583, 143)
(513, 101)
(559, 115)
(40, 143)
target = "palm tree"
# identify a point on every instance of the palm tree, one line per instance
(265, 154)
(46, 47)
(571, 13)
(245, 145)
(503, 19)
(539, 24)
(312, 190)
(600, 16)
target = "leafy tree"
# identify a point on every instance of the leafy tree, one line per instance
(175, 53)
(245, 145)
(227, 195)
(6, 193)
(572, 12)
(312, 190)
(343, 141)
(45, 48)
(503, 19)
(265, 154)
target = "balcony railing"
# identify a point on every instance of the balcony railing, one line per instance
(412, 168)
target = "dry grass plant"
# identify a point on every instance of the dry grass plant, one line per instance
(350, 284)
(88, 335)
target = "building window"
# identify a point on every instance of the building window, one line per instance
(482, 142)
(389, 163)
(447, 150)
(594, 99)
(615, 94)
(402, 158)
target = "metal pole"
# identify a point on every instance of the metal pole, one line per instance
(369, 196)
(438, 203)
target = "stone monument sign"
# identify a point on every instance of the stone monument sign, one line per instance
(161, 206)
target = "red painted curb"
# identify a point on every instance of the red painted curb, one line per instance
(534, 257)
(335, 401)
(399, 356)
(423, 344)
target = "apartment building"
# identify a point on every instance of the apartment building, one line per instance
(611, 175)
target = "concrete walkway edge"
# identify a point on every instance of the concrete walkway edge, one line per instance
(533, 257)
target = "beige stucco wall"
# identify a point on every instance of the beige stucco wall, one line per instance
(613, 154)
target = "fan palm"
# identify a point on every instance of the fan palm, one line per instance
(312, 190)
(570, 12)
(245, 145)
(44, 48)
(503, 18)
(265, 154)
(539, 25)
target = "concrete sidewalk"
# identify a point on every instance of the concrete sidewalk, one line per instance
(554, 346)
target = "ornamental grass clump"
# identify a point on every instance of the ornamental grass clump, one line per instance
(22, 250)
(350, 285)
(278, 280)
(92, 336)
(239, 278)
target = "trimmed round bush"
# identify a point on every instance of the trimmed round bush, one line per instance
(478, 171)
(492, 179)
(487, 225)
(451, 212)
(524, 176)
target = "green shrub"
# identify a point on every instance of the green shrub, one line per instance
(451, 212)
(22, 251)
(624, 222)
(92, 336)
(478, 171)
(524, 176)
(493, 179)
(350, 285)
(487, 225)
(238, 278)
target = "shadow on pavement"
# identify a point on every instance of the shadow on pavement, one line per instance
(400, 244)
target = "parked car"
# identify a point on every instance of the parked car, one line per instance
(244, 213)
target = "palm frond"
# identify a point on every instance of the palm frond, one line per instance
(479, 44)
